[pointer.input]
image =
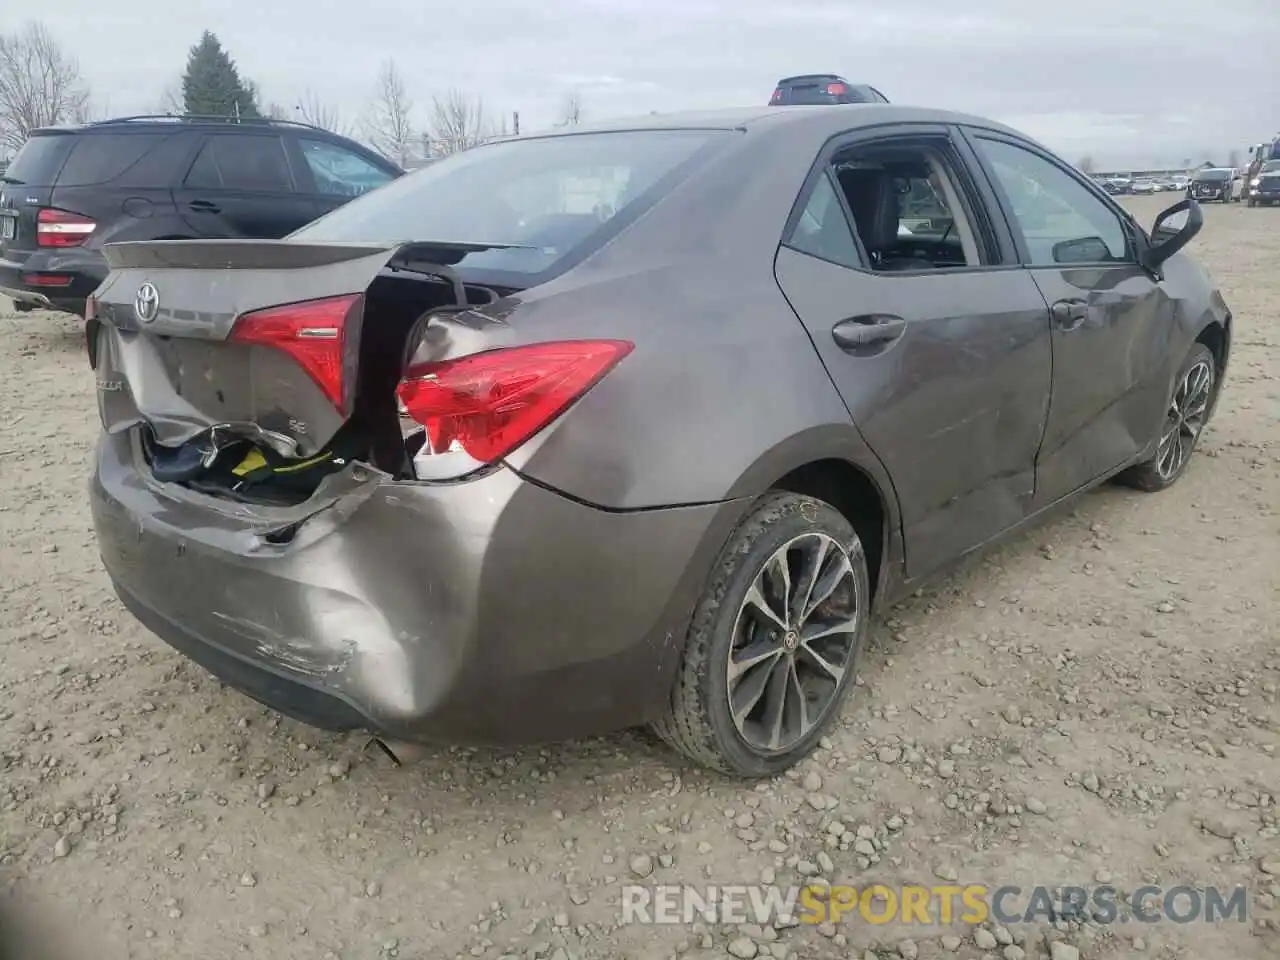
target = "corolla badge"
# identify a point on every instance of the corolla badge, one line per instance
(146, 304)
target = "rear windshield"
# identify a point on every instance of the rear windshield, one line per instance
(559, 197)
(802, 93)
(1213, 175)
(39, 160)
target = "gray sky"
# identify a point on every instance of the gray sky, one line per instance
(1128, 82)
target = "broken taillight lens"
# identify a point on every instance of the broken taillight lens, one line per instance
(487, 404)
(60, 228)
(313, 333)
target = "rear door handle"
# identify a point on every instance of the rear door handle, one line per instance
(1069, 314)
(867, 330)
(204, 206)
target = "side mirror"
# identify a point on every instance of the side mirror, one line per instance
(1083, 250)
(1173, 230)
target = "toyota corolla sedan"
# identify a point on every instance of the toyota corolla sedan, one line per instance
(634, 424)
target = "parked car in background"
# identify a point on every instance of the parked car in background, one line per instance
(1214, 183)
(72, 189)
(1144, 185)
(1118, 186)
(467, 461)
(817, 88)
(1265, 187)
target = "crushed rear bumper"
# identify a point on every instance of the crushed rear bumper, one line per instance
(492, 611)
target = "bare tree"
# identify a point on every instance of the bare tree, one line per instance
(276, 111)
(311, 109)
(571, 115)
(1086, 164)
(91, 110)
(170, 102)
(39, 84)
(390, 125)
(458, 122)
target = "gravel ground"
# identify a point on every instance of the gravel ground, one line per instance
(1094, 702)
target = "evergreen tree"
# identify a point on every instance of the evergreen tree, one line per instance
(212, 85)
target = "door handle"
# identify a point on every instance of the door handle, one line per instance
(204, 206)
(867, 330)
(1069, 314)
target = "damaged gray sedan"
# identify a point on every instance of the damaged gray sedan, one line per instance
(630, 424)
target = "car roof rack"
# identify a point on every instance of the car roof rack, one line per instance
(201, 118)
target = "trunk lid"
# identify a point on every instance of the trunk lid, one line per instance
(263, 348)
(161, 339)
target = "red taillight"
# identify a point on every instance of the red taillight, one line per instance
(47, 279)
(487, 404)
(58, 228)
(313, 333)
(777, 96)
(837, 89)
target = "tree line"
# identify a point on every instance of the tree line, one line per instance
(41, 85)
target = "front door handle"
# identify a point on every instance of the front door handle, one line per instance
(868, 330)
(204, 206)
(1069, 314)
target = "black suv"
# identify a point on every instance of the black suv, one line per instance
(823, 88)
(72, 189)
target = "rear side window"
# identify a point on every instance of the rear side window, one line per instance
(241, 162)
(822, 229)
(39, 160)
(553, 196)
(102, 157)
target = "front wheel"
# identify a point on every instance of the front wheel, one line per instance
(1184, 420)
(774, 644)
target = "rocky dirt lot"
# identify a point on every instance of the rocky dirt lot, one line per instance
(1095, 702)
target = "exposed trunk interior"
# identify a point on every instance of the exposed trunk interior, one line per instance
(374, 433)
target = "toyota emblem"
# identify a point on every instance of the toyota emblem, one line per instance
(147, 303)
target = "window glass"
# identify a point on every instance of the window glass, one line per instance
(39, 159)
(339, 172)
(907, 206)
(242, 162)
(823, 230)
(1061, 220)
(103, 157)
(550, 195)
(204, 174)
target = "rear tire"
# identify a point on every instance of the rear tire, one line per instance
(761, 678)
(1191, 400)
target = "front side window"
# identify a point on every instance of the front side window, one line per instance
(1062, 221)
(551, 196)
(338, 172)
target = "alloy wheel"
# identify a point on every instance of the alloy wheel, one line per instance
(794, 639)
(1184, 419)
